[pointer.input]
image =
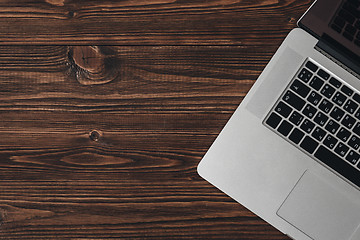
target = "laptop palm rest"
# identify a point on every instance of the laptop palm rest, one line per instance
(316, 208)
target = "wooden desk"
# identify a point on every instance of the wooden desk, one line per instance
(107, 107)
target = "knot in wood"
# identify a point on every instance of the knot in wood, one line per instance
(88, 58)
(94, 135)
(291, 20)
(93, 66)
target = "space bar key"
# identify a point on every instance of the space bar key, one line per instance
(339, 165)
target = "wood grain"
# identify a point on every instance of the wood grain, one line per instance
(154, 22)
(155, 121)
(105, 116)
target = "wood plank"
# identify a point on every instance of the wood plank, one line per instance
(103, 141)
(151, 22)
(162, 99)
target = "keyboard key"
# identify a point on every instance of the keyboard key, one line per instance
(354, 142)
(318, 134)
(340, 22)
(343, 134)
(327, 91)
(357, 42)
(296, 118)
(311, 66)
(300, 88)
(348, 121)
(323, 74)
(356, 97)
(326, 106)
(348, 36)
(285, 128)
(314, 98)
(339, 98)
(283, 109)
(309, 111)
(337, 113)
(321, 118)
(316, 83)
(336, 83)
(332, 126)
(307, 126)
(350, 106)
(357, 114)
(347, 90)
(273, 120)
(352, 157)
(305, 75)
(336, 28)
(309, 144)
(296, 135)
(330, 141)
(293, 100)
(350, 29)
(356, 129)
(341, 149)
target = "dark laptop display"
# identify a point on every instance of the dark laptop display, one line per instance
(338, 30)
(347, 21)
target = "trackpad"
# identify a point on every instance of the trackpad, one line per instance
(320, 211)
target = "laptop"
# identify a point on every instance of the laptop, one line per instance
(291, 151)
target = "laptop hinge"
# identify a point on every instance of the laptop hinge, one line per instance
(339, 54)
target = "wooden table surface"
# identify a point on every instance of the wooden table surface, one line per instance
(107, 107)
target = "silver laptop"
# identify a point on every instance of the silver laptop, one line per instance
(290, 152)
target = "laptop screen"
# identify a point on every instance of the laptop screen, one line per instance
(336, 23)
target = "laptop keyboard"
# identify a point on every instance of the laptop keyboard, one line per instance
(320, 115)
(347, 21)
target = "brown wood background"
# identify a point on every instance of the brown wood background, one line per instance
(107, 107)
